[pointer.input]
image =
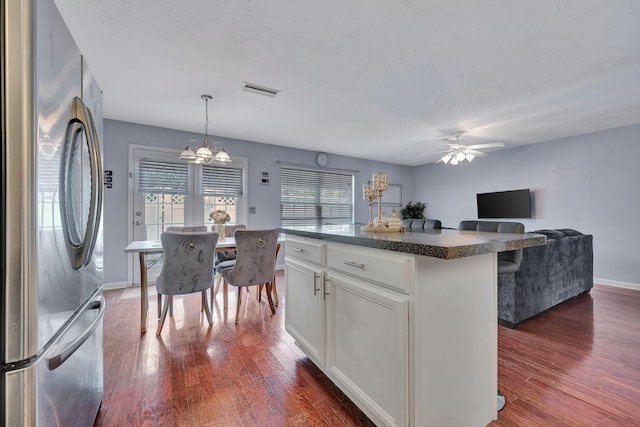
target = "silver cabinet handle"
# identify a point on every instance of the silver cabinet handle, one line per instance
(297, 249)
(325, 293)
(353, 264)
(60, 357)
(80, 249)
(315, 280)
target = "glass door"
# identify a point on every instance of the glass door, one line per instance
(161, 198)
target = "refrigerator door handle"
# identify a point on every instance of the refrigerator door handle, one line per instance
(80, 251)
(59, 358)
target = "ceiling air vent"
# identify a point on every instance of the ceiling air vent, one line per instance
(261, 90)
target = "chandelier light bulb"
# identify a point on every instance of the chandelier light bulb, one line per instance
(187, 154)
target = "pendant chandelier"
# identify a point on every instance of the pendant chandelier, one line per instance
(205, 152)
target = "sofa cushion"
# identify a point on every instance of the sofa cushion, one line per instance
(551, 234)
(571, 232)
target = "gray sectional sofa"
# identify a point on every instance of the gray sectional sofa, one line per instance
(548, 275)
(531, 280)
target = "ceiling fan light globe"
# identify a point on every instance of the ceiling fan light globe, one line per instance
(460, 156)
(446, 158)
(470, 157)
(454, 161)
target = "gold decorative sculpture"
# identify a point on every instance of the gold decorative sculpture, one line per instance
(373, 190)
(369, 195)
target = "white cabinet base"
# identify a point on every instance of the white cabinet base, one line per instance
(418, 353)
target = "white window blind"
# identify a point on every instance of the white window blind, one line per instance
(165, 177)
(309, 197)
(221, 181)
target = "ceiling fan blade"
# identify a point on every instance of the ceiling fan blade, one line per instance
(475, 153)
(449, 140)
(489, 145)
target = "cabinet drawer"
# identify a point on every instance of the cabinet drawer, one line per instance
(392, 270)
(305, 249)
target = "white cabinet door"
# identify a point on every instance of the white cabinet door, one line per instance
(368, 346)
(304, 315)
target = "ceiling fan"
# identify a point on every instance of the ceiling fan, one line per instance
(458, 152)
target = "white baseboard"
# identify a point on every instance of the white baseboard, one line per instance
(616, 284)
(115, 285)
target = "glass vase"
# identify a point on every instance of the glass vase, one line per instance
(221, 229)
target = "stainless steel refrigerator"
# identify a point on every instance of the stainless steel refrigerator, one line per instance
(51, 302)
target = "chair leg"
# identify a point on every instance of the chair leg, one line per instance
(274, 289)
(238, 305)
(218, 281)
(269, 286)
(259, 294)
(168, 299)
(225, 294)
(159, 305)
(205, 304)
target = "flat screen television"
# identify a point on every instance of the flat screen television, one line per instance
(504, 204)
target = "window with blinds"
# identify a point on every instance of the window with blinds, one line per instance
(221, 181)
(310, 197)
(163, 177)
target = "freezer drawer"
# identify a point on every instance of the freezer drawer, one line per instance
(65, 386)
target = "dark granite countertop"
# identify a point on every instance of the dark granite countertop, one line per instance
(445, 244)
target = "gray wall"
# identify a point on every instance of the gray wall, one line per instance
(266, 198)
(590, 183)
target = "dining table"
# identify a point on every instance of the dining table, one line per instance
(154, 247)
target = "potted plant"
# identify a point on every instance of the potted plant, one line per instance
(413, 210)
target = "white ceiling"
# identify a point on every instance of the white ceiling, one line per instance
(377, 79)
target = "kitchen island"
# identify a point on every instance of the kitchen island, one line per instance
(404, 323)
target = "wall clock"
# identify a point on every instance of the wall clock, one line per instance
(322, 159)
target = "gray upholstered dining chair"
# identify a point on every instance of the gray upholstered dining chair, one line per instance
(224, 258)
(160, 259)
(187, 268)
(255, 263)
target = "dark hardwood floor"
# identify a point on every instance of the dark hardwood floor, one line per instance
(577, 364)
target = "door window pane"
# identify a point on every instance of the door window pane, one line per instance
(162, 211)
